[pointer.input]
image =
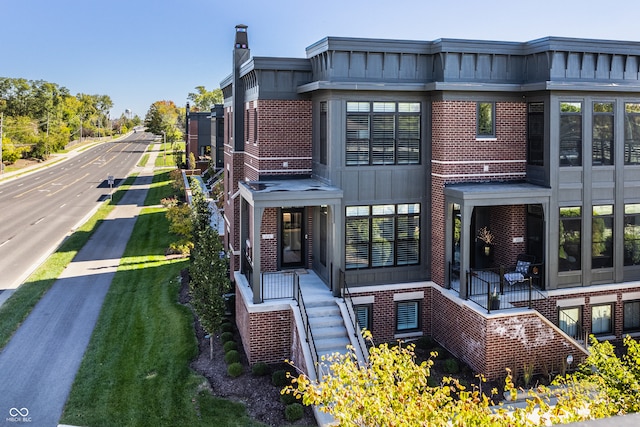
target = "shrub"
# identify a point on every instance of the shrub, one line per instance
(260, 369)
(293, 412)
(279, 378)
(226, 327)
(425, 343)
(230, 345)
(226, 336)
(232, 356)
(235, 370)
(288, 398)
(451, 366)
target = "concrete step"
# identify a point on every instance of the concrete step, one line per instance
(322, 311)
(326, 322)
(328, 332)
(335, 344)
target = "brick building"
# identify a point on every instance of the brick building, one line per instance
(375, 166)
(204, 136)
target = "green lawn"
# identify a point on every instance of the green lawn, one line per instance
(19, 305)
(136, 369)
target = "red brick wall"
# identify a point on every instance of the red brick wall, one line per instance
(269, 247)
(384, 313)
(453, 130)
(491, 344)
(507, 222)
(284, 135)
(266, 336)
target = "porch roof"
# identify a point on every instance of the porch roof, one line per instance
(289, 192)
(498, 193)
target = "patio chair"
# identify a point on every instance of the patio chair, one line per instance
(522, 270)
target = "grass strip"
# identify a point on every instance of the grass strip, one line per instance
(143, 161)
(16, 309)
(136, 369)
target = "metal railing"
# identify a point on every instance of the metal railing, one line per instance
(573, 328)
(492, 291)
(307, 327)
(277, 285)
(348, 302)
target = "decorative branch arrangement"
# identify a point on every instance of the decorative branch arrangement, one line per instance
(485, 235)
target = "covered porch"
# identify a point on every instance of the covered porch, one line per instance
(289, 224)
(490, 227)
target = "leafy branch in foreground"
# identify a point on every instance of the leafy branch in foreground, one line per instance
(390, 389)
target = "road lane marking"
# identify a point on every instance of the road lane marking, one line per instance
(38, 221)
(68, 185)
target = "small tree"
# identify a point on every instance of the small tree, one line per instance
(208, 270)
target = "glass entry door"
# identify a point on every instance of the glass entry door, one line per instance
(292, 237)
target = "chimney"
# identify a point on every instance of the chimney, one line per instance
(241, 54)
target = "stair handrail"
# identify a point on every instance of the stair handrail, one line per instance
(307, 327)
(348, 302)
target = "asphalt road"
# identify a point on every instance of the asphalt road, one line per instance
(38, 210)
(39, 364)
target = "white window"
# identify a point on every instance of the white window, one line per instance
(601, 319)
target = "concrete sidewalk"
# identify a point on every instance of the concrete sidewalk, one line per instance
(39, 364)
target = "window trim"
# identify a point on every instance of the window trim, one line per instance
(611, 329)
(492, 134)
(367, 214)
(579, 321)
(418, 320)
(626, 329)
(363, 145)
(369, 310)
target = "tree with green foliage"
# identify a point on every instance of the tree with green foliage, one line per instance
(208, 270)
(163, 117)
(390, 389)
(42, 117)
(203, 99)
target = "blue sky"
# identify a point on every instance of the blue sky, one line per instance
(141, 51)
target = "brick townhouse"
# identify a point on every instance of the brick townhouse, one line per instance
(376, 167)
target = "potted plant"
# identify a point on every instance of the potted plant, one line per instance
(495, 300)
(487, 238)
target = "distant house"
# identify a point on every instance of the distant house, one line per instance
(204, 136)
(377, 166)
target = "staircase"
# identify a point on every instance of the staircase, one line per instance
(327, 327)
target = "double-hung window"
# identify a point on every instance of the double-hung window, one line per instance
(383, 133)
(382, 235)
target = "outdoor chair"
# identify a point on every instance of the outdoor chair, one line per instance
(521, 271)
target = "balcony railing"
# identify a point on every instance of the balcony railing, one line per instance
(273, 285)
(491, 290)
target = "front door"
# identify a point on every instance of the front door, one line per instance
(292, 238)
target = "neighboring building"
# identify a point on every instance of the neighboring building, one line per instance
(204, 137)
(377, 163)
